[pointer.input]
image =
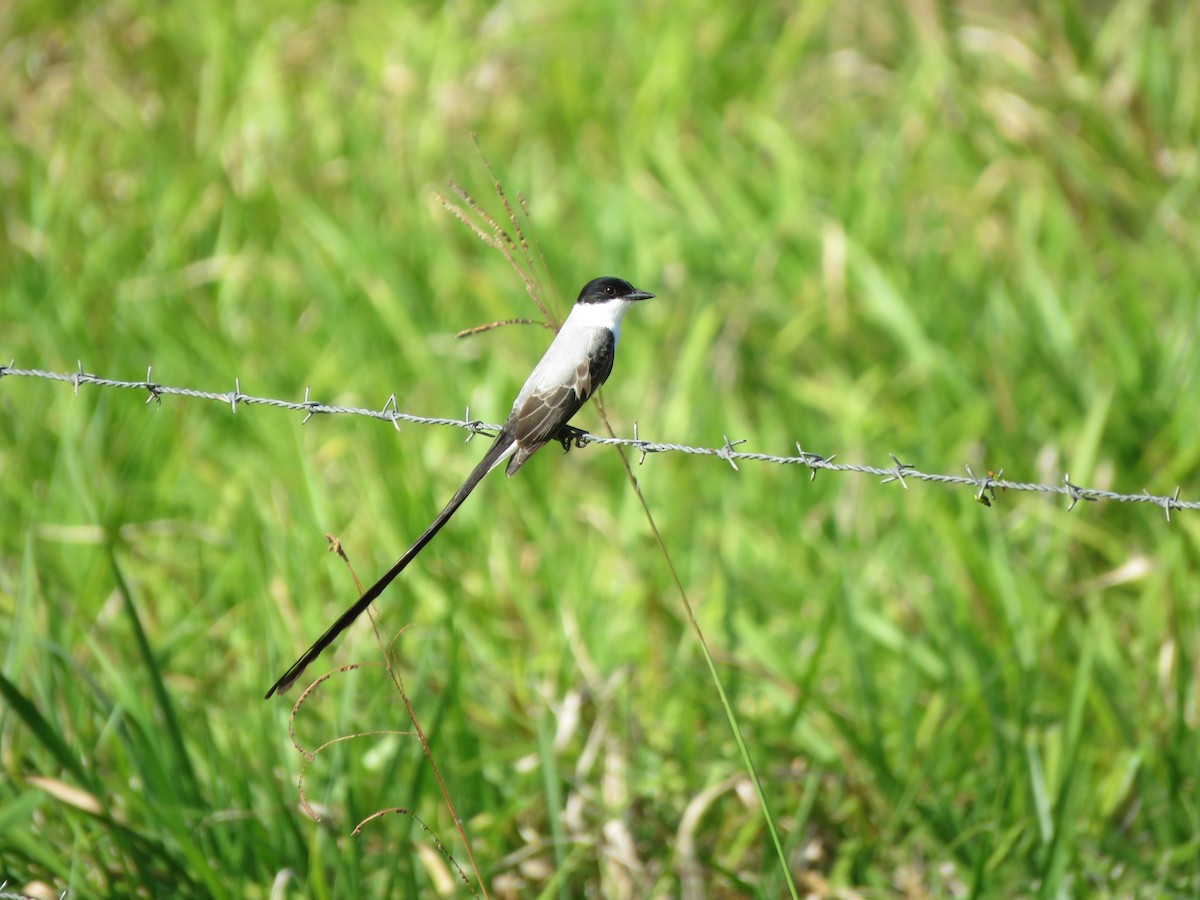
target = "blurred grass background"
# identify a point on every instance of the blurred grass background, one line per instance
(958, 232)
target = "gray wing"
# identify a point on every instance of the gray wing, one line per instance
(544, 412)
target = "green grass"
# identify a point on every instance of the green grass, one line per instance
(961, 235)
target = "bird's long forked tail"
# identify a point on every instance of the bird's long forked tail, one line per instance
(503, 447)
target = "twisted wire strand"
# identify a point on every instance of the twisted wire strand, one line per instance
(984, 486)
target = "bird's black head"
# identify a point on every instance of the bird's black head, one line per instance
(604, 290)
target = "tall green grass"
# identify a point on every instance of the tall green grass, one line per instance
(961, 234)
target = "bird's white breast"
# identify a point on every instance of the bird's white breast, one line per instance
(586, 326)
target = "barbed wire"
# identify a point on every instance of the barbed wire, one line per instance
(985, 486)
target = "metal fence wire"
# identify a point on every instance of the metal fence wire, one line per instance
(984, 487)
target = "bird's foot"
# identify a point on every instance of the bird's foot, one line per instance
(569, 435)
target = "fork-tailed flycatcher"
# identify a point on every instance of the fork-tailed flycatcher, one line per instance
(578, 361)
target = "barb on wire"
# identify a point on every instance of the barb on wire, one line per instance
(898, 473)
(985, 487)
(154, 389)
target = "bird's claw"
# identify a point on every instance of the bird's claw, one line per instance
(569, 435)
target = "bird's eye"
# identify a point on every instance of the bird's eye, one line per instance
(611, 291)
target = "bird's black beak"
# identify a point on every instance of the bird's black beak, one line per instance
(639, 295)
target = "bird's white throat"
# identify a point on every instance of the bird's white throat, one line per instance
(598, 315)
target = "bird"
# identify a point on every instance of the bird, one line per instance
(577, 362)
